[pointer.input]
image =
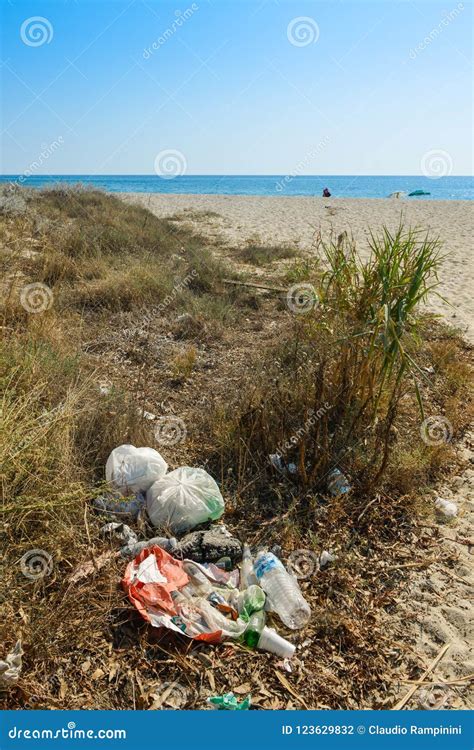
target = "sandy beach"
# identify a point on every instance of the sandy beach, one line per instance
(296, 220)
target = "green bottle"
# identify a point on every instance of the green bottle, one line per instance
(254, 629)
(251, 600)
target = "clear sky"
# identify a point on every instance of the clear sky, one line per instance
(236, 86)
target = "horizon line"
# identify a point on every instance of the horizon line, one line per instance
(272, 174)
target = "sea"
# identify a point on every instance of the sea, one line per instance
(340, 186)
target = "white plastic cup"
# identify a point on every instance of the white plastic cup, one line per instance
(270, 641)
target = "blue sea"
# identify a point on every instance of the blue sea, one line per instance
(340, 186)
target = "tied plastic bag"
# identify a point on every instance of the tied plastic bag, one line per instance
(133, 469)
(183, 499)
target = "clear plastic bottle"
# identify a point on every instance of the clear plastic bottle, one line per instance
(247, 575)
(283, 593)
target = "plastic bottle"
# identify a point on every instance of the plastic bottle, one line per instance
(283, 593)
(254, 629)
(247, 575)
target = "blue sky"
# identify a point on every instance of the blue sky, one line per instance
(237, 87)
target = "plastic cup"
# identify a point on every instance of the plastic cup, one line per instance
(270, 641)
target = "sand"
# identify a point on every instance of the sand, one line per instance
(281, 220)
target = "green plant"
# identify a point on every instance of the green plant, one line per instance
(333, 393)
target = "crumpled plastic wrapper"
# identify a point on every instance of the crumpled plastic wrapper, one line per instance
(10, 668)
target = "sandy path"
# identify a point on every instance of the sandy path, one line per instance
(280, 220)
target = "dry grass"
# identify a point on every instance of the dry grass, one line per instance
(262, 255)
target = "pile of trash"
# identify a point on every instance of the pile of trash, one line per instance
(192, 585)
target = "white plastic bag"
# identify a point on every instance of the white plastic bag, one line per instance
(133, 469)
(183, 499)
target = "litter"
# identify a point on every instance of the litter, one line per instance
(163, 592)
(203, 602)
(278, 463)
(270, 641)
(115, 505)
(325, 558)
(247, 572)
(446, 507)
(283, 593)
(134, 469)
(228, 702)
(10, 668)
(120, 531)
(250, 600)
(338, 484)
(133, 549)
(183, 499)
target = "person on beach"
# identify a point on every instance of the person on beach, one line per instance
(326, 193)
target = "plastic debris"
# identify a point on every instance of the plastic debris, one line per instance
(247, 576)
(283, 593)
(338, 484)
(10, 668)
(132, 469)
(115, 505)
(225, 563)
(166, 595)
(250, 600)
(132, 549)
(200, 601)
(120, 531)
(183, 499)
(270, 641)
(228, 702)
(325, 558)
(278, 463)
(446, 507)
(254, 629)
